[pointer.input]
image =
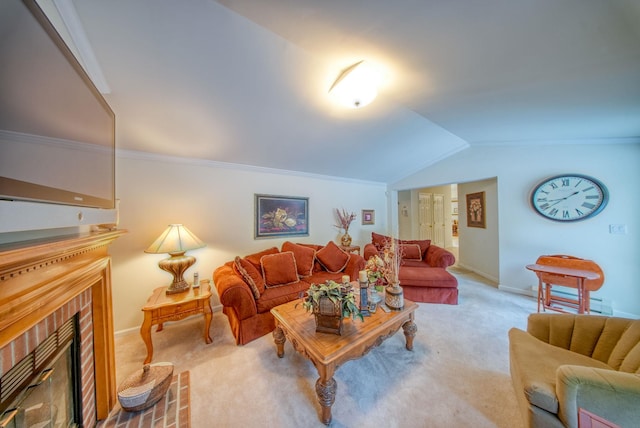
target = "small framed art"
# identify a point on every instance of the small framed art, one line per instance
(476, 214)
(368, 217)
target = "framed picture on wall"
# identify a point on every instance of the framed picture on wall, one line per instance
(281, 216)
(368, 217)
(476, 214)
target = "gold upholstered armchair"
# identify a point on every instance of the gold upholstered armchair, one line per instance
(567, 363)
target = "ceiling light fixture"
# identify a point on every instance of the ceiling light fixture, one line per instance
(357, 85)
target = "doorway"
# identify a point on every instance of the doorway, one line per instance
(430, 213)
(475, 248)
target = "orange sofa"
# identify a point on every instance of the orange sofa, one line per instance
(423, 273)
(250, 286)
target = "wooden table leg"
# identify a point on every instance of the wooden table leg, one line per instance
(581, 305)
(587, 301)
(547, 295)
(207, 321)
(145, 332)
(279, 338)
(410, 329)
(540, 296)
(326, 387)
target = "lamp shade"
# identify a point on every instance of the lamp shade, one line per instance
(357, 85)
(174, 240)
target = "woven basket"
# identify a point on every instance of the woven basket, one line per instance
(145, 387)
(328, 316)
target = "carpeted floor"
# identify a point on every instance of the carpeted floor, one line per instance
(456, 376)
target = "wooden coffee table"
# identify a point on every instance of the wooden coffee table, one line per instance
(329, 351)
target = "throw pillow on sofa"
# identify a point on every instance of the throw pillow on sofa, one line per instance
(411, 252)
(279, 269)
(423, 243)
(304, 256)
(332, 258)
(250, 275)
(255, 258)
(380, 241)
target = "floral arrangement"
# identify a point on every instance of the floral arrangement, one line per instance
(337, 293)
(279, 219)
(376, 270)
(384, 270)
(344, 219)
(475, 210)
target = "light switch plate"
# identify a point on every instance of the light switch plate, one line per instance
(618, 229)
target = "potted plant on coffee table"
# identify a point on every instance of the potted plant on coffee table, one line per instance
(330, 303)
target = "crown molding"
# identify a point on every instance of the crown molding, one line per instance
(71, 21)
(134, 154)
(555, 142)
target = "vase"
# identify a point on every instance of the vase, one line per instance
(328, 316)
(346, 239)
(394, 296)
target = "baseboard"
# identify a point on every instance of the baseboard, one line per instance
(516, 290)
(216, 308)
(479, 272)
(598, 306)
(625, 315)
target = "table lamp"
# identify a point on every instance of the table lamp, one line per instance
(176, 240)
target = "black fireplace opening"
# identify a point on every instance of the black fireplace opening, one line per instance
(44, 388)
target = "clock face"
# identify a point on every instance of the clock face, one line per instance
(569, 197)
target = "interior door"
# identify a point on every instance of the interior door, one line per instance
(438, 220)
(425, 217)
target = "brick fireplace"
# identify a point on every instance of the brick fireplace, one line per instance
(45, 283)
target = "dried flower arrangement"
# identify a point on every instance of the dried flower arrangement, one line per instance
(344, 219)
(392, 260)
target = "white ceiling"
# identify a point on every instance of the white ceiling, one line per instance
(246, 81)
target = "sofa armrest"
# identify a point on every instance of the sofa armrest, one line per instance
(610, 394)
(439, 257)
(369, 251)
(354, 266)
(234, 292)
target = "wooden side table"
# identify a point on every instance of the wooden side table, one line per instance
(568, 277)
(161, 308)
(354, 249)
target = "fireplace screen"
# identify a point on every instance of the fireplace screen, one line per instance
(49, 398)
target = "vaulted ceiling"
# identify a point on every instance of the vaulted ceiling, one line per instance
(246, 81)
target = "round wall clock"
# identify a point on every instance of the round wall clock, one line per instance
(569, 197)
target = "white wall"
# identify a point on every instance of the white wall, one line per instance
(216, 202)
(524, 235)
(406, 215)
(479, 248)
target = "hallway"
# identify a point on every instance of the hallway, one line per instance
(454, 248)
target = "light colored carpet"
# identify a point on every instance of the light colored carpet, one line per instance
(456, 376)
